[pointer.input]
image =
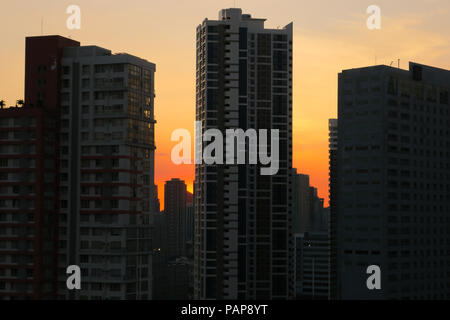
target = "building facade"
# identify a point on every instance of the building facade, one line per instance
(311, 240)
(77, 171)
(243, 239)
(301, 202)
(308, 212)
(106, 172)
(28, 203)
(393, 173)
(172, 269)
(333, 146)
(312, 264)
(160, 288)
(175, 211)
(189, 227)
(29, 177)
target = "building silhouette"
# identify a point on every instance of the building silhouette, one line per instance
(29, 177)
(172, 263)
(189, 225)
(393, 182)
(160, 289)
(301, 202)
(312, 265)
(311, 240)
(175, 212)
(190, 219)
(333, 146)
(243, 238)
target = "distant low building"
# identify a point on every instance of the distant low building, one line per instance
(311, 240)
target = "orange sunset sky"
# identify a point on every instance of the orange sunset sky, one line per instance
(329, 36)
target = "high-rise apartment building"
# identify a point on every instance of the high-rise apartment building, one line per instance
(189, 227)
(301, 209)
(308, 212)
(29, 177)
(175, 212)
(243, 241)
(393, 182)
(77, 167)
(332, 228)
(28, 203)
(106, 172)
(160, 289)
(171, 266)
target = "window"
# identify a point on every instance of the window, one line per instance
(114, 203)
(86, 69)
(116, 232)
(66, 83)
(115, 287)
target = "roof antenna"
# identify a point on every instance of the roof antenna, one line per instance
(399, 63)
(42, 26)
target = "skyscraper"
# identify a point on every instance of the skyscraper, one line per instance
(175, 212)
(393, 182)
(29, 177)
(171, 276)
(308, 211)
(160, 289)
(189, 227)
(106, 172)
(333, 146)
(28, 203)
(79, 187)
(243, 240)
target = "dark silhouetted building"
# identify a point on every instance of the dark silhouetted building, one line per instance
(160, 288)
(172, 268)
(333, 145)
(311, 240)
(301, 202)
(393, 182)
(175, 211)
(243, 240)
(29, 177)
(312, 265)
(189, 225)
